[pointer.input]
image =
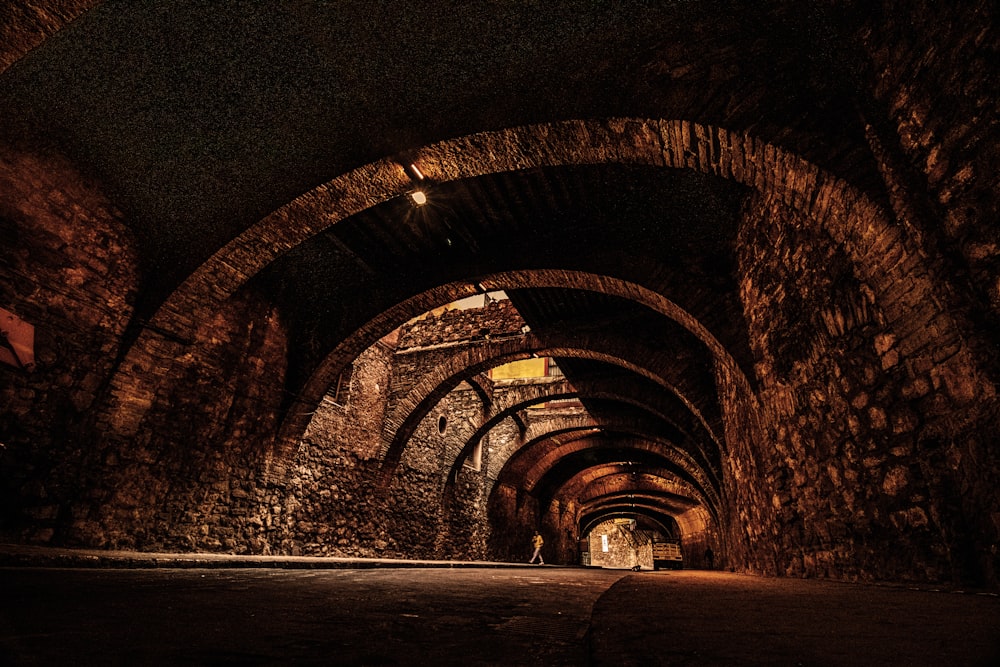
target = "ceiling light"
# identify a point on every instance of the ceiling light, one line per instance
(418, 197)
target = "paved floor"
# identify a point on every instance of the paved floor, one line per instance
(713, 618)
(478, 616)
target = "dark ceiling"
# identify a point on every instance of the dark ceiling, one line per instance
(201, 118)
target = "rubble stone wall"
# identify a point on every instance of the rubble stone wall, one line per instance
(863, 483)
(69, 268)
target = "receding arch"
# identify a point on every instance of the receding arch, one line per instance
(665, 503)
(851, 218)
(589, 488)
(539, 454)
(562, 389)
(590, 522)
(593, 485)
(461, 367)
(422, 397)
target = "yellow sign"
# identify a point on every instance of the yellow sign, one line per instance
(525, 368)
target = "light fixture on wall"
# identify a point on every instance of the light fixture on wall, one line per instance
(413, 171)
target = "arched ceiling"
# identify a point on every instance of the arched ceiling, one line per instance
(202, 119)
(669, 230)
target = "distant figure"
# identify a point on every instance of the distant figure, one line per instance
(537, 543)
(709, 558)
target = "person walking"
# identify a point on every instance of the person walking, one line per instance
(537, 543)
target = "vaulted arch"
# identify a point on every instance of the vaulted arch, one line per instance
(542, 393)
(540, 454)
(411, 409)
(831, 203)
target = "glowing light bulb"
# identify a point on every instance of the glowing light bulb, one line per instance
(418, 197)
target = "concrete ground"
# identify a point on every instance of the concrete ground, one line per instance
(146, 610)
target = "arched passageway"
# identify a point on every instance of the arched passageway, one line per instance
(736, 265)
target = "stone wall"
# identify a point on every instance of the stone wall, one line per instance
(514, 516)
(497, 318)
(68, 267)
(330, 497)
(559, 528)
(748, 533)
(935, 83)
(327, 501)
(934, 128)
(418, 506)
(188, 479)
(701, 534)
(861, 487)
(626, 548)
(428, 341)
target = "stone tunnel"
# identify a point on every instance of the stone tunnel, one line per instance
(415, 280)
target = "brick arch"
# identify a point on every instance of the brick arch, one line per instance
(478, 358)
(656, 516)
(411, 410)
(660, 502)
(659, 480)
(483, 388)
(641, 439)
(695, 518)
(650, 513)
(539, 453)
(592, 485)
(847, 214)
(541, 393)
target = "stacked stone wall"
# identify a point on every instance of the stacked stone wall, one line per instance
(422, 474)
(559, 530)
(187, 480)
(514, 516)
(69, 268)
(355, 426)
(427, 342)
(859, 480)
(327, 500)
(626, 548)
(330, 500)
(934, 79)
(747, 519)
(496, 318)
(507, 538)
(699, 534)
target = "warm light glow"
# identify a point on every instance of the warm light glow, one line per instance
(416, 172)
(418, 197)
